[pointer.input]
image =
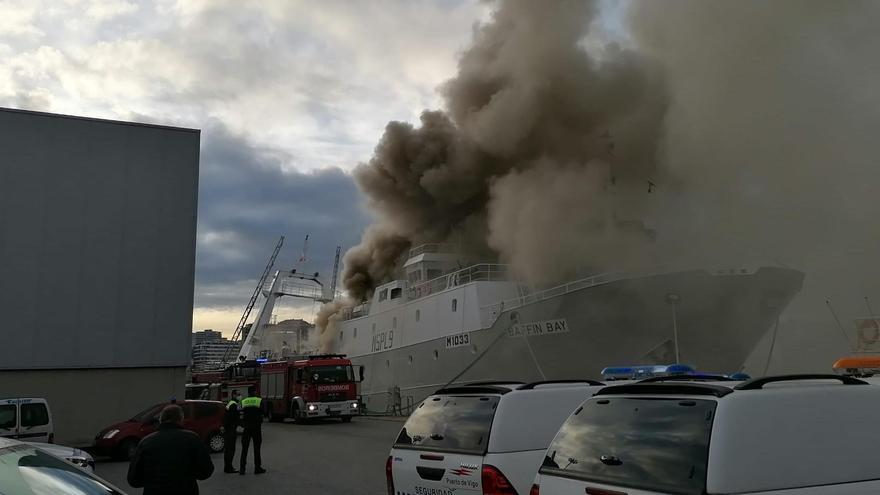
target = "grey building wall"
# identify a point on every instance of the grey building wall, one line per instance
(86, 400)
(97, 243)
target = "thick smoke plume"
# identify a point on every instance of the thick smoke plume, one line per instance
(326, 322)
(752, 123)
(529, 106)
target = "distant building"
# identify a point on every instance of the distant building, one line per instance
(209, 349)
(206, 336)
(285, 339)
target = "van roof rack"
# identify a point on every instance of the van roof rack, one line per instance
(666, 388)
(702, 377)
(532, 385)
(758, 383)
(483, 389)
(493, 382)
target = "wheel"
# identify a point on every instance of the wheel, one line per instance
(216, 442)
(346, 419)
(126, 449)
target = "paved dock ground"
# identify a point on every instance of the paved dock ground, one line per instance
(320, 458)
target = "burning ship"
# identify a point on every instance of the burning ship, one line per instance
(445, 325)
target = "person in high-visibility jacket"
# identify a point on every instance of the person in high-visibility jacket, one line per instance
(251, 421)
(230, 432)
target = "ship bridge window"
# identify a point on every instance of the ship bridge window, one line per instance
(383, 295)
(454, 305)
(395, 293)
(432, 274)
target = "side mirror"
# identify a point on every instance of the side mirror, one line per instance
(361, 372)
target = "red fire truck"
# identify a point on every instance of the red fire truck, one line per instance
(219, 384)
(314, 387)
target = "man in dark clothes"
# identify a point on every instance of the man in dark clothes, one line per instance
(252, 420)
(169, 461)
(230, 427)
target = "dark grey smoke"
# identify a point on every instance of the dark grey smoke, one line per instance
(755, 120)
(772, 137)
(528, 106)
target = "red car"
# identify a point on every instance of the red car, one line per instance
(205, 417)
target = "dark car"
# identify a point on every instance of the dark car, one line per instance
(201, 416)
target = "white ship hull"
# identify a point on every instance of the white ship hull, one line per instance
(719, 319)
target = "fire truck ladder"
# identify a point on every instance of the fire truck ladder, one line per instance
(250, 306)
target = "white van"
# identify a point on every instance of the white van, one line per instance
(782, 435)
(481, 438)
(28, 419)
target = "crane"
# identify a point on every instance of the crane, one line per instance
(250, 305)
(335, 273)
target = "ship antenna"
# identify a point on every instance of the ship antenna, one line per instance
(836, 319)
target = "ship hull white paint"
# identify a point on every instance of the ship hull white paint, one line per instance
(719, 321)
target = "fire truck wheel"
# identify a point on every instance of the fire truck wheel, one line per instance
(346, 419)
(216, 442)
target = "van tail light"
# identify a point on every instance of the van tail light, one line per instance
(495, 483)
(535, 490)
(388, 477)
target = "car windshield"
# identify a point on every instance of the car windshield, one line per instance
(653, 444)
(331, 374)
(148, 413)
(450, 423)
(26, 470)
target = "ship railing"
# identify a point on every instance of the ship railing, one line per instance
(492, 311)
(354, 312)
(432, 248)
(482, 272)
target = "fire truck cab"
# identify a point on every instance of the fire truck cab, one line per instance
(314, 387)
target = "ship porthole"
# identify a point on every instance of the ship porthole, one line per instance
(473, 349)
(410, 360)
(436, 354)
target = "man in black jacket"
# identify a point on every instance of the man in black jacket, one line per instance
(169, 461)
(230, 427)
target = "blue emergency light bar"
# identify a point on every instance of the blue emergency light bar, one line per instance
(641, 372)
(262, 360)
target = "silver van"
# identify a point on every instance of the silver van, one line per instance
(481, 439)
(780, 435)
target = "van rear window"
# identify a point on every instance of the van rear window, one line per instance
(651, 444)
(451, 423)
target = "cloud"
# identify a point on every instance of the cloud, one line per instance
(248, 198)
(318, 83)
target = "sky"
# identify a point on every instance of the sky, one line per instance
(289, 98)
